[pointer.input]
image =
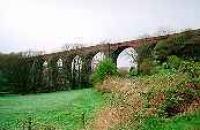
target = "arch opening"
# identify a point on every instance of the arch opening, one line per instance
(45, 64)
(60, 63)
(127, 59)
(77, 63)
(100, 56)
(76, 67)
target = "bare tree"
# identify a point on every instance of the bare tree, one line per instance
(30, 53)
(164, 31)
(66, 47)
(133, 54)
(76, 69)
(77, 45)
(74, 46)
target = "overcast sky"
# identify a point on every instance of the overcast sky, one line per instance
(48, 24)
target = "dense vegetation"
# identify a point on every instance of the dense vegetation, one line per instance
(9, 67)
(24, 73)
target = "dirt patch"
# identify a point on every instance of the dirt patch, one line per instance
(109, 117)
(106, 119)
(195, 105)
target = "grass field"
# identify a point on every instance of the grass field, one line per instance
(59, 110)
(190, 121)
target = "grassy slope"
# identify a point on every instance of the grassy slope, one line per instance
(61, 110)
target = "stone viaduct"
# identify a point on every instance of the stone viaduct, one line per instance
(60, 69)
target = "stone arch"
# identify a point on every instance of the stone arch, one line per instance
(76, 68)
(86, 68)
(96, 59)
(45, 64)
(61, 74)
(46, 75)
(54, 73)
(60, 63)
(127, 59)
(67, 67)
(77, 63)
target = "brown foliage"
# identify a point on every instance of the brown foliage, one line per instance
(130, 96)
(126, 102)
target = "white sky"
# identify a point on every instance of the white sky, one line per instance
(48, 24)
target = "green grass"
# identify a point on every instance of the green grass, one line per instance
(181, 122)
(60, 110)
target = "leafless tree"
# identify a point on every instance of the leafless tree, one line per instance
(77, 45)
(164, 31)
(133, 54)
(66, 47)
(73, 46)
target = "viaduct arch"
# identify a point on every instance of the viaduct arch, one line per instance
(57, 71)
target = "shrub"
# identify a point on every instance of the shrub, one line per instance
(161, 50)
(105, 68)
(146, 67)
(172, 46)
(178, 100)
(133, 72)
(192, 69)
(144, 51)
(191, 49)
(174, 62)
(165, 65)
